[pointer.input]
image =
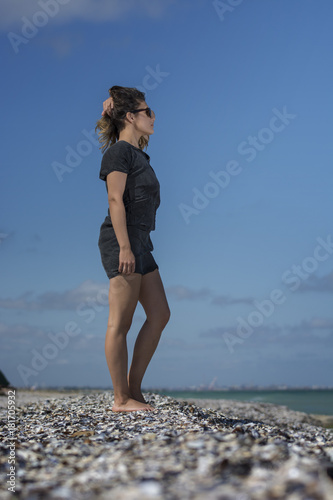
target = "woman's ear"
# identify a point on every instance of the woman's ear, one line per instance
(130, 116)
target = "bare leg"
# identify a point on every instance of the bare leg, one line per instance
(153, 299)
(123, 298)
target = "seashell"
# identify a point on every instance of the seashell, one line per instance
(75, 447)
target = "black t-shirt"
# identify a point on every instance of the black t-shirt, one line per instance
(142, 190)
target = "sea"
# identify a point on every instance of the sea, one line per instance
(312, 401)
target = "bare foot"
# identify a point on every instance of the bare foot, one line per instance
(138, 396)
(132, 405)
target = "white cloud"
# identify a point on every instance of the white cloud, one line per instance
(306, 332)
(62, 45)
(17, 337)
(225, 300)
(182, 292)
(316, 284)
(12, 11)
(89, 293)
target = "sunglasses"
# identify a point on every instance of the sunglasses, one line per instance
(149, 112)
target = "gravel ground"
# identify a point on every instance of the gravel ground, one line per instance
(27, 396)
(226, 406)
(70, 445)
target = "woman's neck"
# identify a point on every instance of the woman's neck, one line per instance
(129, 138)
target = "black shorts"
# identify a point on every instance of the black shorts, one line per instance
(141, 246)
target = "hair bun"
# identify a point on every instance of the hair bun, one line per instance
(115, 89)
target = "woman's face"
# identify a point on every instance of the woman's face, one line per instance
(142, 122)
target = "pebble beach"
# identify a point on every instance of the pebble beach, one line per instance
(70, 445)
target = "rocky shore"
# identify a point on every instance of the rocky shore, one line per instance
(72, 446)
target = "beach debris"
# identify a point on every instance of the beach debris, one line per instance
(74, 447)
(5, 386)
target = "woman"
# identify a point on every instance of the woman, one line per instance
(125, 244)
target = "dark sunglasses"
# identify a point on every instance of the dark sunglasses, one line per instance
(149, 112)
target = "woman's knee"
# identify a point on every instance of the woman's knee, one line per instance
(167, 315)
(160, 317)
(121, 326)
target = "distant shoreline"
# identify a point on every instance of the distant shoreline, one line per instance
(325, 421)
(30, 396)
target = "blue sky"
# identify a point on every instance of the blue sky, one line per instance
(242, 148)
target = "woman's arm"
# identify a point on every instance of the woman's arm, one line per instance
(116, 182)
(107, 107)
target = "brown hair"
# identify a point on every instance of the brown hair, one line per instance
(125, 99)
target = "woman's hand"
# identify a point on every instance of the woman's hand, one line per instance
(126, 261)
(107, 107)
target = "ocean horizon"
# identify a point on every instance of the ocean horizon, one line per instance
(311, 401)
